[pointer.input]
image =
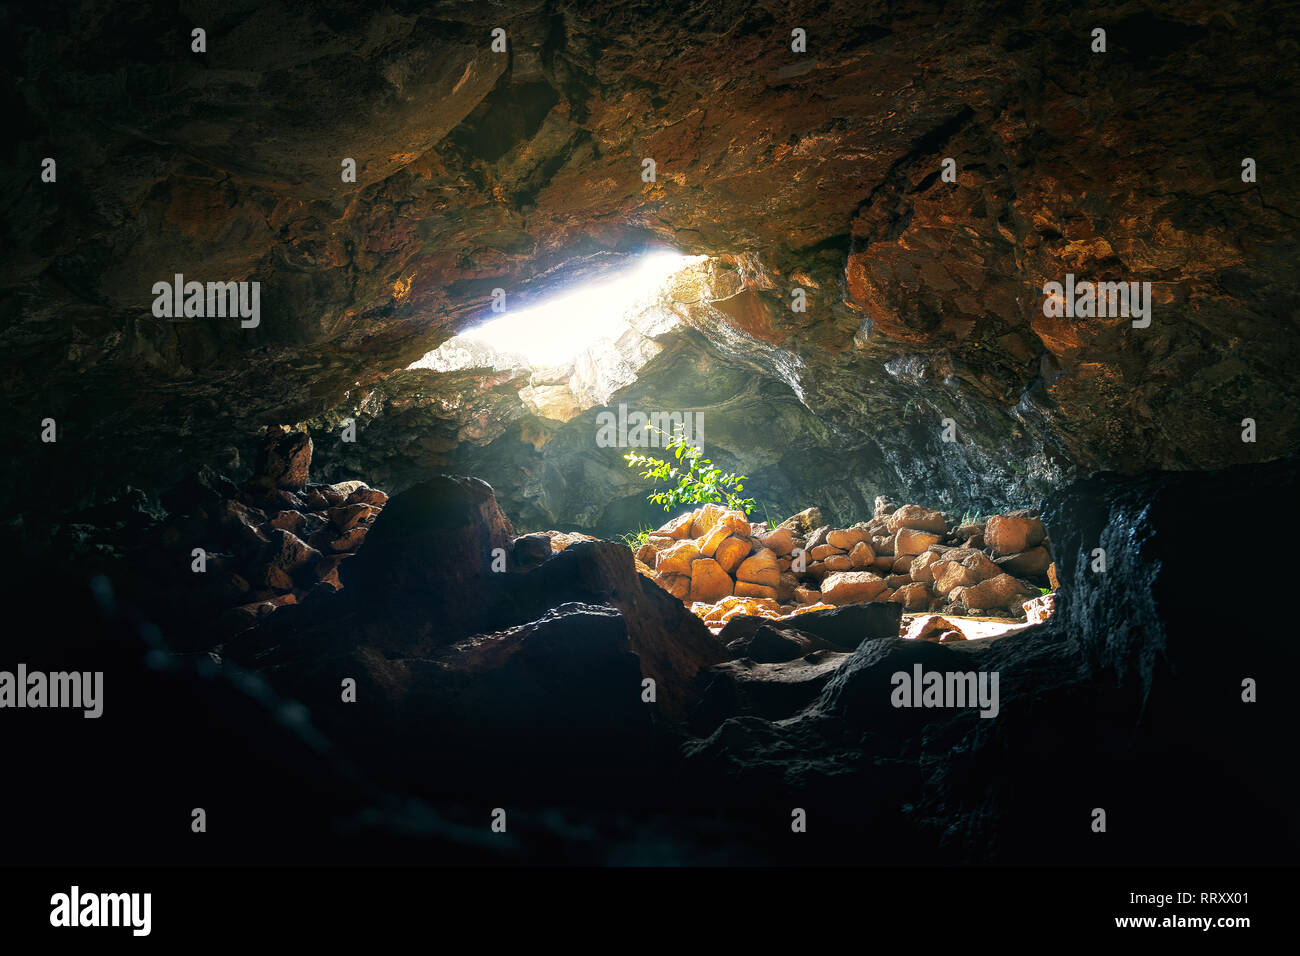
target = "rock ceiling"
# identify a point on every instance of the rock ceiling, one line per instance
(819, 170)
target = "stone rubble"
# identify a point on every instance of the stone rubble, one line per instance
(721, 565)
(271, 542)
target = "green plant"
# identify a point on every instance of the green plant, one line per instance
(1043, 592)
(698, 480)
(970, 517)
(635, 539)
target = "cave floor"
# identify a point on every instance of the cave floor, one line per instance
(972, 628)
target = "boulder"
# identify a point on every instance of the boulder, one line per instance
(705, 519)
(807, 595)
(427, 551)
(804, 522)
(709, 583)
(347, 517)
(712, 538)
(929, 628)
(283, 459)
(532, 548)
(1040, 608)
(285, 557)
(1031, 563)
(847, 538)
(913, 597)
(817, 538)
(861, 556)
(837, 562)
(731, 552)
(917, 518)
(760, 568)
(911, 541)
(850, 587)
(1002, 591)
(678, 528)
(921, 567)
(678, 558)
(780, 541)
(367, 496)
(678, 585)
(961, 567)
(735, 522)
(291, 521)
(823, 551)
(350, 540)
(745, 589)
(1014, 532)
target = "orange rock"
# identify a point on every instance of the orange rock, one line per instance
(910, 541)
(746, 589)
(914, 516)
(678, 528)
(913, 597)
(735, 522)
(921, 568)
(731, 552)
(845, 539)
(929, 628)
(851, 587)
(1014, 532)
(715, 536)
(705, 519)
(780, 542)
(678, 558)
(823, 551)
(837, 562)
(861, 556)
(760, 568)
(808, 596)
(678, 585)
(708, 581)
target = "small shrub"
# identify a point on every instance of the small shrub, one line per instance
(698, 480)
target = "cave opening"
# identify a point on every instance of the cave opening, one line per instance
(581, 318)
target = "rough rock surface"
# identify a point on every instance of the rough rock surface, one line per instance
(522, 172)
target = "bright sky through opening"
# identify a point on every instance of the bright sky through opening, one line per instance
(557, 330)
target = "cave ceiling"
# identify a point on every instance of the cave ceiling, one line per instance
(819, 170)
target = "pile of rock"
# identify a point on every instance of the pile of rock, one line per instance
(722, 565)
(268, 543)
